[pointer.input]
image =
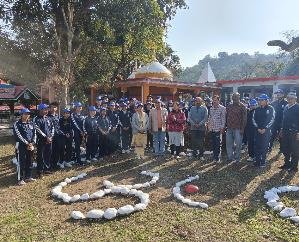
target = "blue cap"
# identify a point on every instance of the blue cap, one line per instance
(77, 104)
(182, 104)
(111, 104)
(263, 97)
(103, 108)
(66, 110)
(42, 106)
(123, 104)
(139, 104)
(253, 102)
(24, 110)
(99, 98)
(279, 91)
(92, 108)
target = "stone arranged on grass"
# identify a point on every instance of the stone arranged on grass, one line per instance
(273, 198)
(178, 195)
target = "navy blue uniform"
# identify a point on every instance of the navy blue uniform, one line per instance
(125, 128)
(290, 129)
(91, 129)
(114, 132)
(263, 118)
(25, 134)
(65, 134)
(45, 130)
(104, 142)
(55, 149)
(77, 126)
(250, 133)
(279, 107)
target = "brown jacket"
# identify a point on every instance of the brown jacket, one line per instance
(153, 119)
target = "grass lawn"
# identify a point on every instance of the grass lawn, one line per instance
(234, 193)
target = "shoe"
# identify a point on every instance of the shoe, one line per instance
(217, 160)
(101, 159)
(182, 153)
(284, 167)
(202, 158)
(128, 151)
(30, 179)
(250, 159)
(178, 157)
(263, 165)
(88, 161)
(94, 159)
(47, 172)
(68, 164)
(60, 165)
(123, 151)
(21, 183)
(293, 169)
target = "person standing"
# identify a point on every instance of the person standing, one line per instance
(140, 124)
(54, 117)
(157, 124)
(176, 121)
(90, 128)
(125, 128)
(104, 128)
(216, 126)
(198, 117)
(77, 126)
(45, 132)
(65, 140)
(149, 138)
(290, 134)
(250, 130)
(114, 138)
(279, 106)
(236, 118)
(263, 119)
(25, 136)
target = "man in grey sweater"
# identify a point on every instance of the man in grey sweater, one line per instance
(198, 117)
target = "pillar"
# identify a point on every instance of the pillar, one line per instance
(173, 91)
(92, 95)
(144, 92)
(235, 88)
(274, 87)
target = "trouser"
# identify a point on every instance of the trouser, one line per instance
(103, 145)
(197, 141)
(25, 162)
(149, 140)
(290, 148)
(139, 141)
(125, 139)
(55, 152)
(78, 142)
(175, 149)
(216, 142)
(92, 145)
(261, 146)
(233, 144)
(43, 156)
(274, 134)
(159, 142)
(113, 140)
(251, 143)
(64, 148)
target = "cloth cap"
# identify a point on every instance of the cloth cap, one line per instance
(66, 110)
(253, 102)
(92, 108)
(24, 110)
(77, 104)
(279, 91)
(263, 97)
(292, 95)
(42, 106)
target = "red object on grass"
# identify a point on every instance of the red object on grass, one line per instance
(191, 188)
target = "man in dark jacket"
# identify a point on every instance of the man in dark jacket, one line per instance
(125, 127)
(263, 118)
(279, 106)
(290, 133)
(250, 130)
(54, 117)
(114, 138)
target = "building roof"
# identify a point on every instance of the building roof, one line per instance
(207, 75)
(10, 92)
(259, 79)
(152, 70)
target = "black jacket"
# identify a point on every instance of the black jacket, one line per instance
(290, 120)
(263, 117)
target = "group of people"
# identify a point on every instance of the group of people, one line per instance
(120, 125)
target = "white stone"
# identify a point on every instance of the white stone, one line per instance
(95, 214)
(84, 197)
(204, 205)
(75, 198)
(67, 180)
(110, 213)
(137, 186)
(62, 184)
(108, 184)
(140, 206)
(127, 209)
(295, 219)
(274, 204)
(288, 212)
(97, 194)
(77, 215)
(278, 208)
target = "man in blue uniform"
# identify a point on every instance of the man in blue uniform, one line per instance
(263, 118)
(125, 127)
(25, 135)
(65, 139)
(278, 105)
(114, 132)
(45, 132)
(77, 126)
(250, 130)
(54, 117)
(104, 128)
(91, 131)
(290, 134)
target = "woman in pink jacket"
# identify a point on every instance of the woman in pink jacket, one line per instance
(176, 121)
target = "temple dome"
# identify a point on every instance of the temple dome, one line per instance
(153, 70)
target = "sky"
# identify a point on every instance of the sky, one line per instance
(233, 26)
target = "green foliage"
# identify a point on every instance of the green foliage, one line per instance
(237, 66)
